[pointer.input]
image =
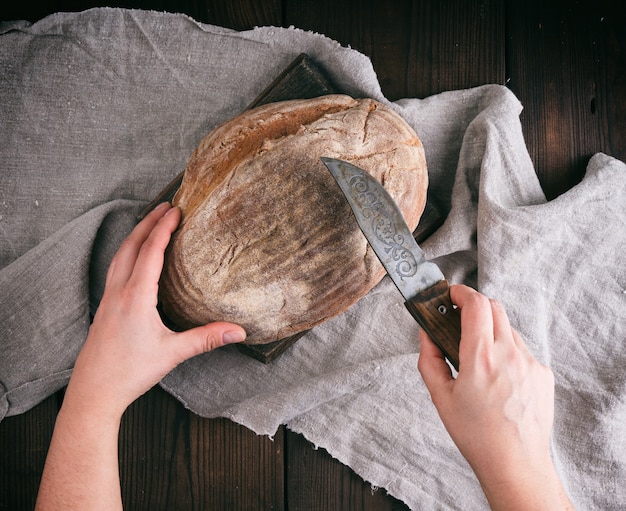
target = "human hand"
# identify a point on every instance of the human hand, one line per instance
(129, 349)
(500, 408)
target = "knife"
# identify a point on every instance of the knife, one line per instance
(421, 282)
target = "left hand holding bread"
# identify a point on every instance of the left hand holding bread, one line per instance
(129, 349)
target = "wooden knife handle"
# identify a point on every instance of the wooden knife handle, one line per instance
(434, 312)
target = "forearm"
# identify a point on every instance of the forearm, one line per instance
(81, 470)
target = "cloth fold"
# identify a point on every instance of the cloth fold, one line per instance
(102, 108)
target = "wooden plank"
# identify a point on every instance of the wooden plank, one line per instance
(365, 27)
(319, 482)
(417, 48)
(455, 45)
(253, 466)
(173, 459)
(609, 102)
(152, 450)
(24, 441)
(243, 14)
(566, 66)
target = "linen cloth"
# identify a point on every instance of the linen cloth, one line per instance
(100, 109)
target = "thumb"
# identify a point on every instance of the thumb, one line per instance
(432, 366)
(205, 338)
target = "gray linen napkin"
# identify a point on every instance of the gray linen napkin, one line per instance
(101, 109)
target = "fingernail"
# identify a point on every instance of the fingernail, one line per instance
(161, 206)
(233, 336)
(171, 211)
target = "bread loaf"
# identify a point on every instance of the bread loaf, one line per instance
(267, 239)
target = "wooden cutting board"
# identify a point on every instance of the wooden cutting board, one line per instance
(302, 79)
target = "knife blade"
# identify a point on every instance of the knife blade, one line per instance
(421, 282)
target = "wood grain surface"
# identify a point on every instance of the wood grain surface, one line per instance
(566, 63)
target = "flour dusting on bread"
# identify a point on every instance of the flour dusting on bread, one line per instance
(266, 238)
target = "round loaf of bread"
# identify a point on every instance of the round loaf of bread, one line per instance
(267, 239)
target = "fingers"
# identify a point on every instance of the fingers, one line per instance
(502, 330)
(124, 260)
(206, 338)
(149, 262)
(477, 328)
(432, 364)
(483, 323)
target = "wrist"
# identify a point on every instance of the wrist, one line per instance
(91, 407)
(525, 487)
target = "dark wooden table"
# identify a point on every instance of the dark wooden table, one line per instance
(566, 62)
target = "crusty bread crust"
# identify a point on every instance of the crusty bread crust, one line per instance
(267, 239)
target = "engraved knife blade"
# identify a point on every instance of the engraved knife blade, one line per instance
(421, 282)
